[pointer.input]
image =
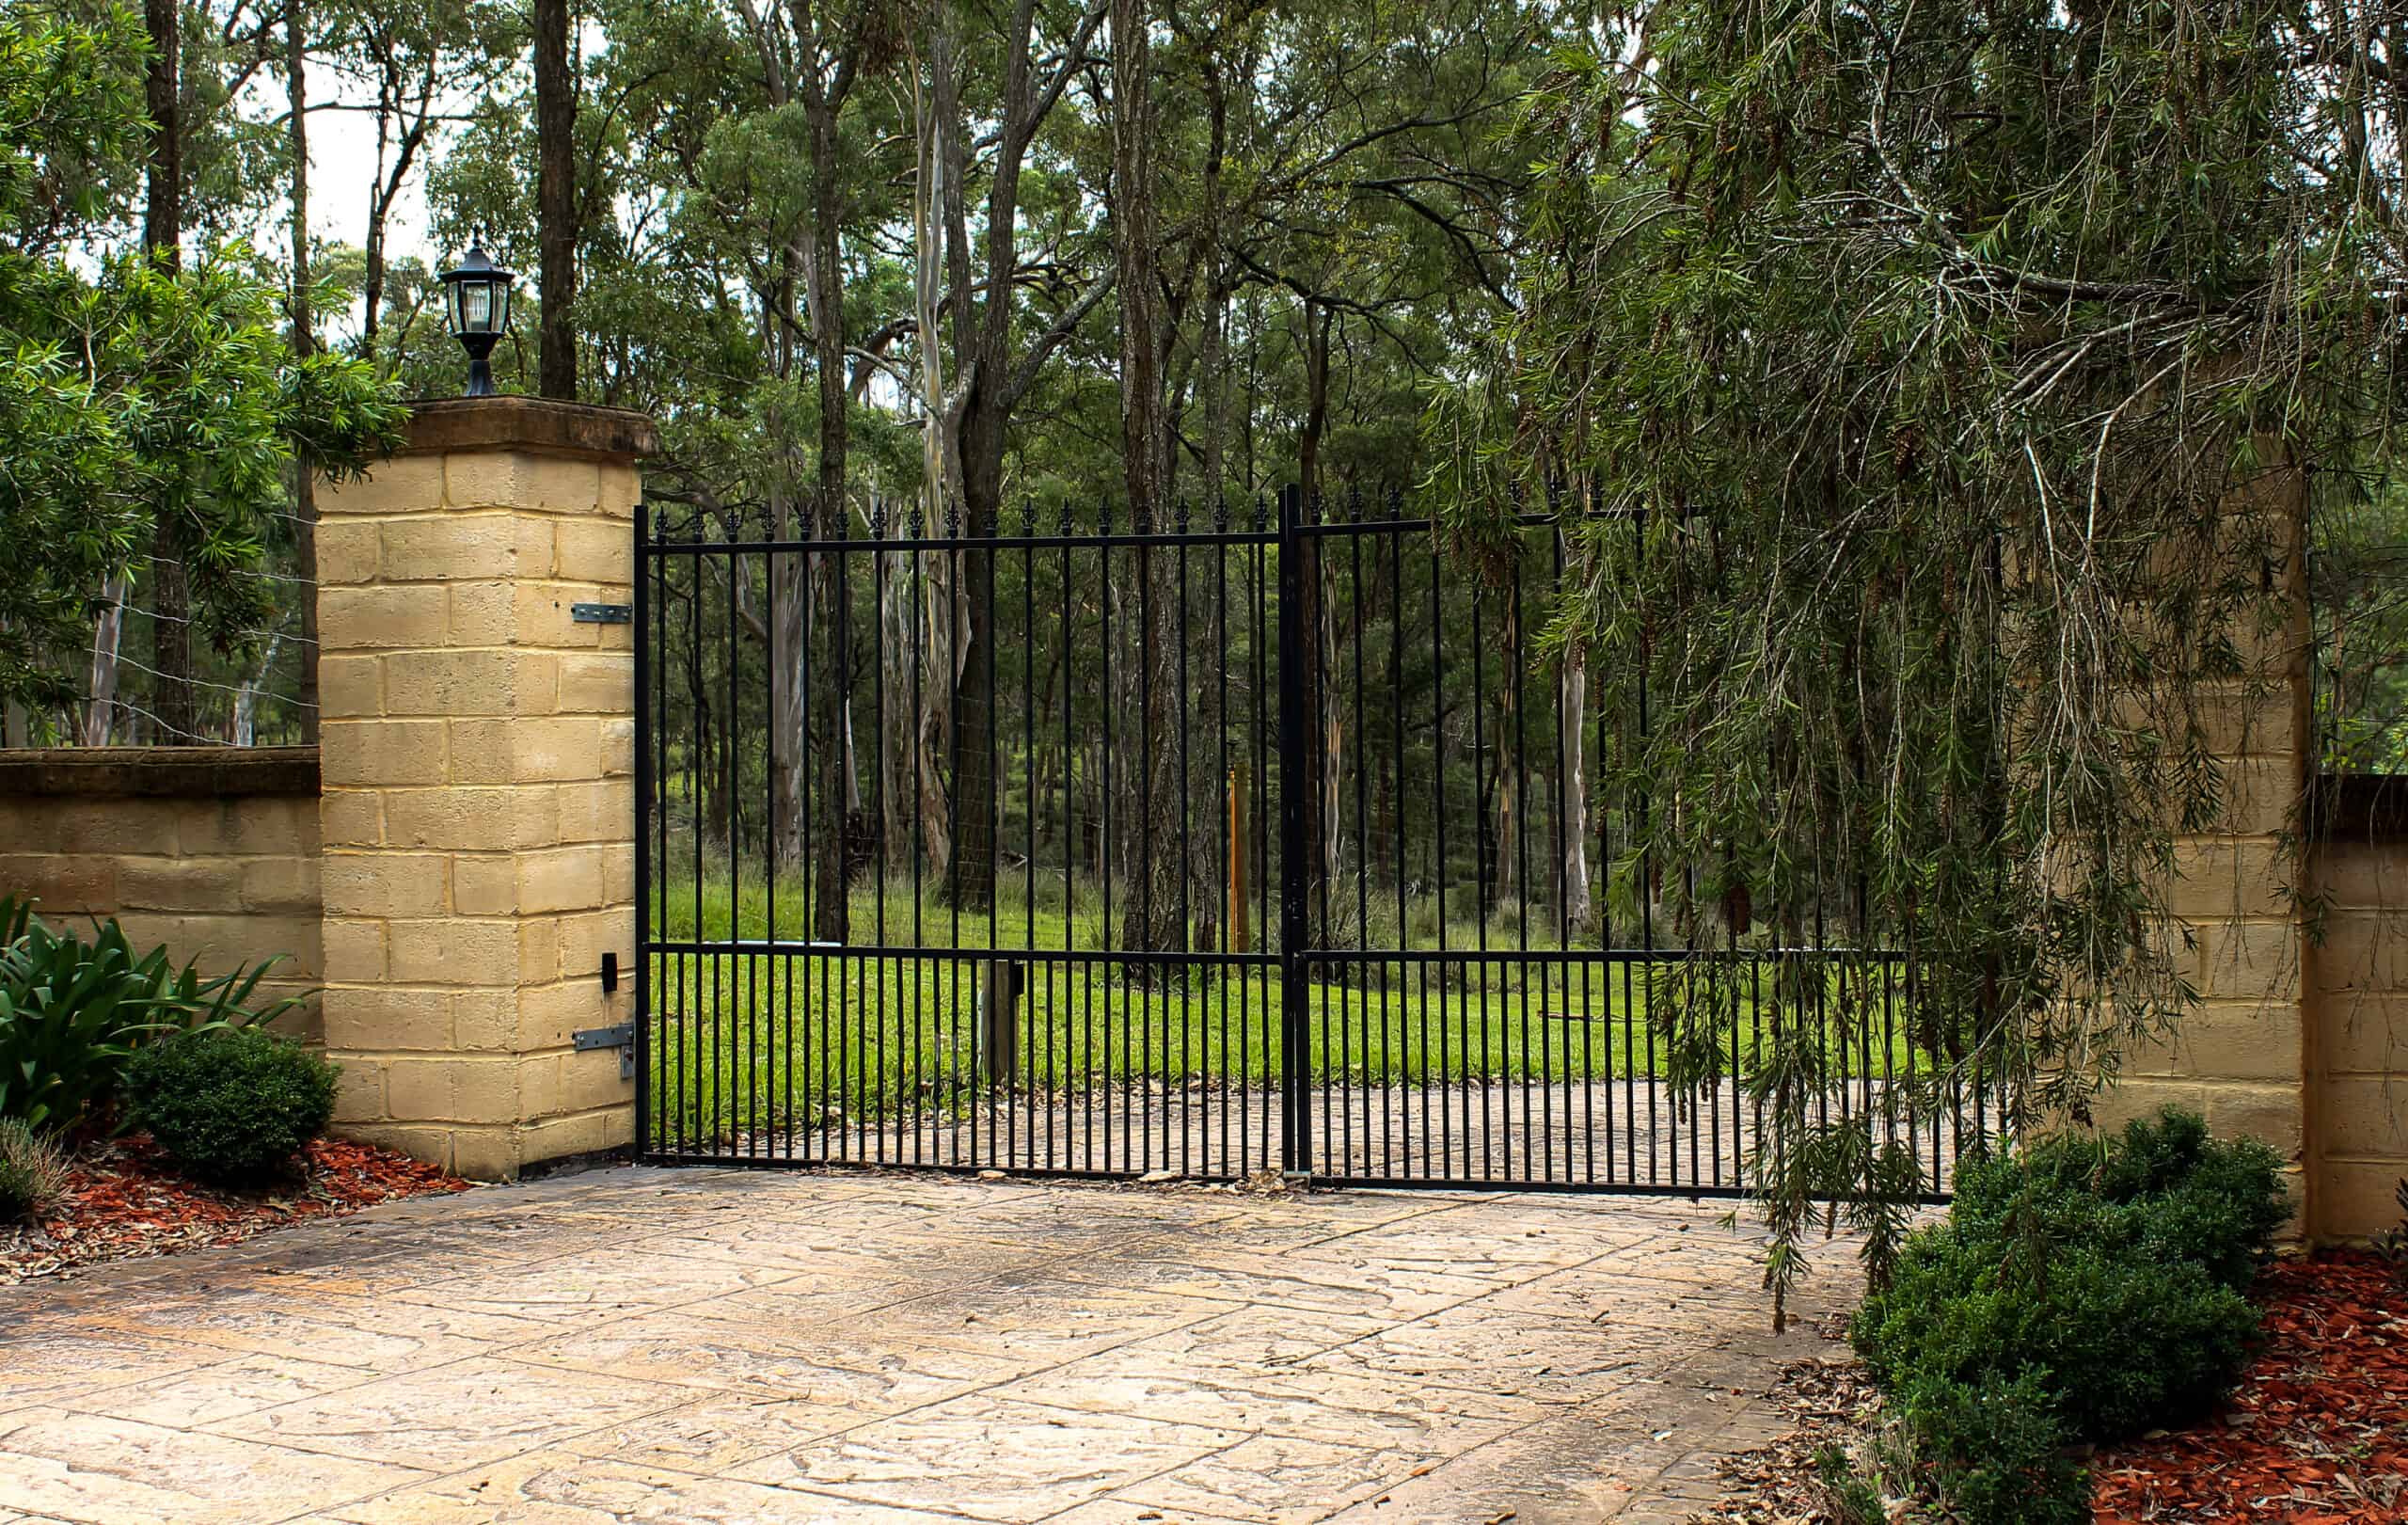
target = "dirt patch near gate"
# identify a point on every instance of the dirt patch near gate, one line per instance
(124, 1202)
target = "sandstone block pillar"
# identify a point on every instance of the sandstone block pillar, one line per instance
(477, 804)
(2243, 1056)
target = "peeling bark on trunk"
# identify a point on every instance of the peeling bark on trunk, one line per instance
(556, 197)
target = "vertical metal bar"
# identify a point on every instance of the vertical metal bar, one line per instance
(780, 969)
(1445, 1135)
(1070, 847)
(1519, 657)
(1232, 902)
(1562, 870)
(1399, 802)
(995, 781)
(815, 1022)
(1101, 972)
(1022, 989)
(1295, 1138)
(1184, 974)
(1364, 941)
(1265, 724)
(877, 968)
(915, 1050)
(705, 1033)
(739, 1041)
(689, 1030)
(1481, 826)
(645, 729)
(1145, 979)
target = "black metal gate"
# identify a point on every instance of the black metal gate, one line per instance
(1265, 846)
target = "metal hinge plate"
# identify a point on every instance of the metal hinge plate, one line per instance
(602, 613)
(622, 1037)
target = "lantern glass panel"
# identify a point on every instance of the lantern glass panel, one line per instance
(476, 297)
(452, 305)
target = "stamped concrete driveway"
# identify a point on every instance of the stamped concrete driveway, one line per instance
(765, 1349)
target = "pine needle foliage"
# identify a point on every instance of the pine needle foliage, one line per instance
(1941, 386)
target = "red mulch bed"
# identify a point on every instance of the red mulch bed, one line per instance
(2318, 1432)
(124, 1202)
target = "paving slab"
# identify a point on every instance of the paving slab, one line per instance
(779, 1347)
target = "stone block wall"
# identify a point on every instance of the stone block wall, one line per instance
(210, 850)
(479, 803)
(2358, 1004)
(2243, 1058)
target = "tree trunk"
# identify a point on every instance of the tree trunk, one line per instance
(1159, 914)
(823, 295)
(936, 209)
(1319, 785)
(1579, 910)
(556, 197)
(163, 241)
(100, 710)
(162, 215)
(978, 416)
(973, 883)
(305, 485)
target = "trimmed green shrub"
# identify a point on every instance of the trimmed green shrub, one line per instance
(2110, 1274)
(1994, 1454)
(33, 1170)
(230, 1104)
(72, 1012)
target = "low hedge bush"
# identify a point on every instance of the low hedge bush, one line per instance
(230, 1104)
(75, 1009)
(2081, 1290)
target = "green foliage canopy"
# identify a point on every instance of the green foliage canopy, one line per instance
(135, 397)
(1945, 382)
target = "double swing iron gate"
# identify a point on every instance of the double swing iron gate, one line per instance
(1126, 851)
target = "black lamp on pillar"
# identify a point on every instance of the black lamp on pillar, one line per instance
(476, 306)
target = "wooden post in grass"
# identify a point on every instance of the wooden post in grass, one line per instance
(1234, 923)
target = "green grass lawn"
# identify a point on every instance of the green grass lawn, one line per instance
(776, 1038)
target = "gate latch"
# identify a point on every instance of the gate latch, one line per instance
(622, 1037)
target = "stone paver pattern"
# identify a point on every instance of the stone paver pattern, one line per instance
(693, 1347)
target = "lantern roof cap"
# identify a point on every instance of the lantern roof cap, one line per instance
(476, 265)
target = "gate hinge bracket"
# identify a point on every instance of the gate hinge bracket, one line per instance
(622, 1037)
(601, 613)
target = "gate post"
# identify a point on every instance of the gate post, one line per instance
(476, 805)
(1295, 798)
